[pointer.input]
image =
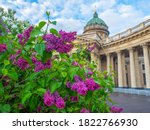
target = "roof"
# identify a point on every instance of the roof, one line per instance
(96, 20)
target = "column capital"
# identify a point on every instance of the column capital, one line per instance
(131, 49)
(119, 51)
(144, 44)
(107, 54)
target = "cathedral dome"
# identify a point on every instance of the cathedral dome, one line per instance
(96, 24)
(96, 21)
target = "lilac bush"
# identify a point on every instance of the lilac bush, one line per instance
(39, 74)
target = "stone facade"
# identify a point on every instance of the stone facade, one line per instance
(127, 53)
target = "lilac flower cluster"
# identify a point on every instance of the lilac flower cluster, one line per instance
(60, 44)
(67, 37)
(21, 63)
(14, 56)
(74, 98)
(90, 83)
(40, 66)
(91, 48)
(3, 47)
(82, 87)
(90, 72)
(84, 110)
(24, 37)
(54, 99)
(75, 63)
(115, 109)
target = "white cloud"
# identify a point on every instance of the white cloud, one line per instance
(72, 15)
(121, 18)
(69, 25)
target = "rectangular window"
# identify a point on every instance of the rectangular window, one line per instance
(144, 78)
(143, 67)
(126, 67)
(127, 79)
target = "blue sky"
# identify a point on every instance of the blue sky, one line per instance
(72, 15)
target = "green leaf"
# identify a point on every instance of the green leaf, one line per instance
(40, 91)
(1, 85)
(42, 24)
(36, 31)
(13, 75)
(48, 13)
(5, 108)
(27, 58)
(46, 56)
(52, 75)
(33, 103)
(41, 81)
(54, 22)
(73, 72)
(6, 62)
(1, 91)
(54, 31)
(26, 97)
(4, 71)
(88, 96)
(34, 75)
(64, 74)
(39, 48)
(54, 85)
(10, 48)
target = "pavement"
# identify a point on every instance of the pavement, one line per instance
(132, 103)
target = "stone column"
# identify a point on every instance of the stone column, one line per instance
(120, 76)
(108, 62)
(123, 70)
(132, 68)
(147, 65)
(99, 63)
(137, 69)
(92, 56)
(112, 66)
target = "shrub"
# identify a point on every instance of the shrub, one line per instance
(39, 72)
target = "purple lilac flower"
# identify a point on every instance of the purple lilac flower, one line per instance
(34, 60)
(91, 48)
(40, 66)
(56, 95)
(3, 47)
(91, 85)
(115, 109)
(48, 98)
(74, 98)
(22, 63)
(84, 110)
(90, 73)
(60, 44)
(48, 64)
(67, 37)
(75, 63)
(20, 106)
(74, 86)
(80, 87)
(14, 56)
(60, 103)
(66, 98)
(77, 78)
(24, 37)
(68, 84)
(39, 109)
(82, 90)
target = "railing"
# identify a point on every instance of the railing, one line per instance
(129, 31)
